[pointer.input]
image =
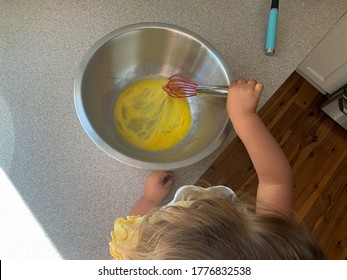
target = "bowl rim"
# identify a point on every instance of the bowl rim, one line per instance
(103, 145)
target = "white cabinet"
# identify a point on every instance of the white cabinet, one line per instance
(326, 66)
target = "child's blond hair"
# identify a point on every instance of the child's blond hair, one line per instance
(214, 228)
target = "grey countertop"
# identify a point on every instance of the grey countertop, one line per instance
(73, 189)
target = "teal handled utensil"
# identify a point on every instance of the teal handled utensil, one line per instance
(270, 44)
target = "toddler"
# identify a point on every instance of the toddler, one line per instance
(212, 223)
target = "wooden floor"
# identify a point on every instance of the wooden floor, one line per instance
(316, 147)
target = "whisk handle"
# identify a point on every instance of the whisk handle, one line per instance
(215, 91)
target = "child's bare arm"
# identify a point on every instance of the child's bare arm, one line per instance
(275, 189)
(157, 185)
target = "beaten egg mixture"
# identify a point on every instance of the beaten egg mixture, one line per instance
(148, 118)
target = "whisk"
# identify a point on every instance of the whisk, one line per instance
(179, 86)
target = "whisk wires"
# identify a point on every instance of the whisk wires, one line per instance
(179, 86)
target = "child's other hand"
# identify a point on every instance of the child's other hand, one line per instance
(243, 97)
(157, 186)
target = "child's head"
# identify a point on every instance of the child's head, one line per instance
(215, 228)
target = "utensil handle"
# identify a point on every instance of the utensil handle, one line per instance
(272, 29)
(215, 91)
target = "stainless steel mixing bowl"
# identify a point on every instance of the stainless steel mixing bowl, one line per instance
(140, 51)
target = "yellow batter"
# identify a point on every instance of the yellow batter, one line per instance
(148, 118)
